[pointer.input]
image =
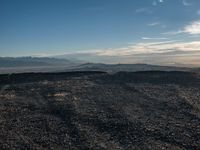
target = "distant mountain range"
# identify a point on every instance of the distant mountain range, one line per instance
(46, 64)
(32, 61)
(127, 67)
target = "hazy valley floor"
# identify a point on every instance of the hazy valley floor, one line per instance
(96, 110)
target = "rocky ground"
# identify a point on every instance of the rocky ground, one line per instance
(96, 110)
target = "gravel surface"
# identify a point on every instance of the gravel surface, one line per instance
(96, 110)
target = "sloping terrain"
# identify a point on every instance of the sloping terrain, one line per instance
(97, 110)
(6, 62)
(127, 67)
(34, 64)
(10, 65)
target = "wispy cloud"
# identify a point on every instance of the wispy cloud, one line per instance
(186, 3)
(198, 12)
(159, 52)
(154, 3)
(153, 38)
(154, 24)
(152, 47)
(144, 11)
(193, 28)
(161, 1)
(173, 32)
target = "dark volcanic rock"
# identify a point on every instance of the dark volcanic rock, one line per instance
(96, 110)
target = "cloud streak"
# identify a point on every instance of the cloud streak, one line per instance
(154, 24)
(143, 11)
(153, 38)
(154, 3)
(198, 12)
(193, 28)
(152, 47)
(186, 3)
(159, 53)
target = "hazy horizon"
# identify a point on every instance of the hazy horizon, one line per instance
(161, 32)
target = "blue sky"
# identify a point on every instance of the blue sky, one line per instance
(125, 31)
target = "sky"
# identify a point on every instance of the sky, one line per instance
(162, 32)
